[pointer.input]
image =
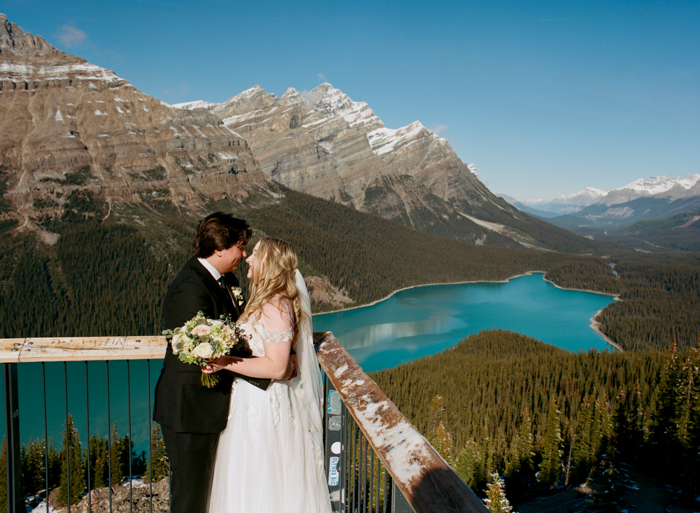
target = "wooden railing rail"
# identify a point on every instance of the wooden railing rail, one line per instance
(62, 349)
(425, 479)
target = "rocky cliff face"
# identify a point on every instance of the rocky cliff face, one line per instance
(66, 124)
(325, 144)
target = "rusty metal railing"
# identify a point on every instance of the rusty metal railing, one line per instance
(376, 461)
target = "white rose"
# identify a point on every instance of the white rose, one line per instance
(177, 343)
(204, 351)
(201, 330)
(216, 323)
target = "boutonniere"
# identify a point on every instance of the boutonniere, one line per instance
(237, 294)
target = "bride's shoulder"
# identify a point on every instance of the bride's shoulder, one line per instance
(276, 315)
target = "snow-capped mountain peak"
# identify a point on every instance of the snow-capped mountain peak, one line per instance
(660, 184)
(197, 104)
(331, 100)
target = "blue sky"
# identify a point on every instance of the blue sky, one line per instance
(545, 97)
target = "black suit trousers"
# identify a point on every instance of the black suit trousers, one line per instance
(191, 456)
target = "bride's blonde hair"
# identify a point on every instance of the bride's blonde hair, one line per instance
(273, 277)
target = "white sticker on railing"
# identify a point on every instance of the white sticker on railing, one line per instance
(334, 403)
(333, 474)
(334, 423)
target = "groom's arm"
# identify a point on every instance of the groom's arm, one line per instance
(184, 301)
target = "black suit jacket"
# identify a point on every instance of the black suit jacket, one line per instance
(182, 403)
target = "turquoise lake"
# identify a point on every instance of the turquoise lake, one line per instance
(411, 324)
(426, 320)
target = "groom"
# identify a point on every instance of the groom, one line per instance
(191, 415)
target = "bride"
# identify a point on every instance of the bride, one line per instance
(270, 456)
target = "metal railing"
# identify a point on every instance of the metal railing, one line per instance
(376, 461)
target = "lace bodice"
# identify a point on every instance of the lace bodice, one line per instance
(256, 335)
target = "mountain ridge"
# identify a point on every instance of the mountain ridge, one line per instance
(661, 186)
(70, 127)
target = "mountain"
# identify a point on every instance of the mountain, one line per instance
(72, 131)
(562, 205)
(323, 143)
(524, 208)
(642, 200)
(680, 232)
(66, 124)
(662, 187)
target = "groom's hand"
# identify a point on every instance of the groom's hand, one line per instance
(292, 367)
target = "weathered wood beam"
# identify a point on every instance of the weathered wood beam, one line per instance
(426, 480)
(59, 349)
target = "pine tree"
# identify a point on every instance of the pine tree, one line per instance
(602, 425)
(496, 500)
(582, 453)
(33, 475)
(115, 459)
(55, 462)
(513, 462)
(663, 433)
(73, 467)
(125, 455)
(438, 436)
(158, 464)
(622, 423)
(519, 457)
(98, 453)
(637, 420)
(467, 462)
(527, 444)
(688, 398)
(550, 467)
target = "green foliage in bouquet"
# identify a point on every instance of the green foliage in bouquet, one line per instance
(202, 339)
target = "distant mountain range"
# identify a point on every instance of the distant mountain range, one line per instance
(657, 213)
(565, 204)
(71, 129)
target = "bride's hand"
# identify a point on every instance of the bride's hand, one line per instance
(220, 363)
(214, 365)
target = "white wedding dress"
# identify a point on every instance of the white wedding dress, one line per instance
(270, 456)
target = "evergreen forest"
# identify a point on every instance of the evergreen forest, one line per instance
(500, 403)
(109, 276)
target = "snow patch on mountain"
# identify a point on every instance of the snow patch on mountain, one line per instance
(85, 71)
(385, 140)
(197, 104)
(330, 100)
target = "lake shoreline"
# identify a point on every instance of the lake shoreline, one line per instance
(595, 325)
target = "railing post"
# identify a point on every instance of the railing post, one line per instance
(336, 466)
(399, 503)
(15, 504)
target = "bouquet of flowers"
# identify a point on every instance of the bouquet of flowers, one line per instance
(202, 339)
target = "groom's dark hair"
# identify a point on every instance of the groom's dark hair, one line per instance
(220, 231)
